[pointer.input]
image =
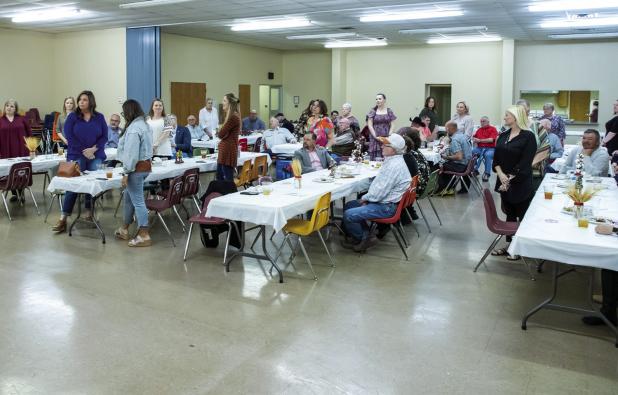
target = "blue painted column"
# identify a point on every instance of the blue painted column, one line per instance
(144, 64)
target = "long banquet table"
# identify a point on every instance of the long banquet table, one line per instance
(210, 144)
(284, 203)
(546, 232)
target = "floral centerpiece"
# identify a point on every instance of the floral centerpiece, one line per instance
(357, 153)
(32, 143)
(297, 171)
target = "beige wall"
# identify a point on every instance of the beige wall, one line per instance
(221, 65)
(473, 70)
(26, 69)
(306, 74)
(570, 66)
(44, 68)
(93, 61)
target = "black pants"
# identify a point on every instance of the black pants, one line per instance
(515, 211)
(445, 178)
(609, 285)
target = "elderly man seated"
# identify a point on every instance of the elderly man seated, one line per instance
(381, 201)
(596, 158)
(252, 123)
(313, 157)
(197, 133)
(275, 135)
(485, 139)
(457, 158)
(344, 138)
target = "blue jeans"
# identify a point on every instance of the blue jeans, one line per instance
(70, 197)
(355, 216)
(134, 200)
(485, 154)
(225, 173)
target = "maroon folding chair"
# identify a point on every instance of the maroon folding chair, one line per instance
(18, 179)
(459, 176)
(258, 145)
(202, 219)
(397, 230)
(498, 227)
(243, 144)
(173, 197)
(191, 180)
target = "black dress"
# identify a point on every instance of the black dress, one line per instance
(612, 126)
(515, 158)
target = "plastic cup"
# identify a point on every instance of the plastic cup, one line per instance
(60, 151)
(549, 191)
(203, 152)
(266, 190)
(582, 222)
(109, 172)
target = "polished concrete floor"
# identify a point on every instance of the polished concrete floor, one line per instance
(80, 317)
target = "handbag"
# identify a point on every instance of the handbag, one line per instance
(143, 166)
(68, 169)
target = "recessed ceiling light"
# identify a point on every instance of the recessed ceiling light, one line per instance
(569, 5)
(272, 24)
(324, 35)
(582, 36)
(580, 22)
(445, 30)
(48, 14)
(151, 3)
(356, 44)
(463, 39)
(402, 16)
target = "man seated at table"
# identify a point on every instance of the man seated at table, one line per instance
(344, 138)
(113, 131)
(596, 158)
(252, 122)
(457, 158)
(313, 157)
(485, 139)
(284, 123)
(274, 136)
(381, 201)
(181, 137)
(197, 133)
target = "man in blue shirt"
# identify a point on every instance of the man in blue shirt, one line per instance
(252, 122)
(457, 158)
(113, 131)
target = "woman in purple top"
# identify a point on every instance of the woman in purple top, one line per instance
(86, 132)
(380, 124)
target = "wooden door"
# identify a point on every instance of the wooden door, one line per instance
(244, 94)
(579, 106)
(187, 99)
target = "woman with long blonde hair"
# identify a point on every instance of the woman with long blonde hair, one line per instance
(515, 150)
(228, 135)
(68, 106)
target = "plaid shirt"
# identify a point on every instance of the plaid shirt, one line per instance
(391, 182)
(557, 126)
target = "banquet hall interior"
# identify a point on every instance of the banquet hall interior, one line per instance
(289, 279)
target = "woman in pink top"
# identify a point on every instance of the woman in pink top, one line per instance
(320, 124)
(422, 128)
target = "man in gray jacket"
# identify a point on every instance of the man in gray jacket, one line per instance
(313, 157)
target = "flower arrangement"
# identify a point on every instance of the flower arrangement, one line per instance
(357, 153)
(297, 168)
(32, 143)
(578, 196)
(579, 170)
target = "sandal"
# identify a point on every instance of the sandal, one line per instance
(138, 241)
(121, 234)
(500, 252)
(513, 257)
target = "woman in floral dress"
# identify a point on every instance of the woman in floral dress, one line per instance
(380, 123)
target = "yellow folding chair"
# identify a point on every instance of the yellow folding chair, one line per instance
(302, 228)
(243, 175)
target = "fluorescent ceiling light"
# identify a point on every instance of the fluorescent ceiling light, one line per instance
(463, 39)
(324, 35)
(271, 24)
(567, 5)
(47, 14)
(580, 22)
(356, 44)
(582, 35)
(402, 16)
(151, 3)
(445, 30)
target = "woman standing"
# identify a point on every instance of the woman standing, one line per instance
(135, 152)
(86, 133)
(13, 129)
(430, 110)
(346, 112)
(611, 130)
(68, 106)
(380, 124)
(161, 139)
(513, 156)
(465, 123)
(228, 135)
(301, 124)
(320, 124)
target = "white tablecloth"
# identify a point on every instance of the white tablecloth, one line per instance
(559, 163)
(94, 184)
(283, 203)
(111, 153)
(251, 139)
(39, 164)
(430, 155)
(286, 149)
(539, 236)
